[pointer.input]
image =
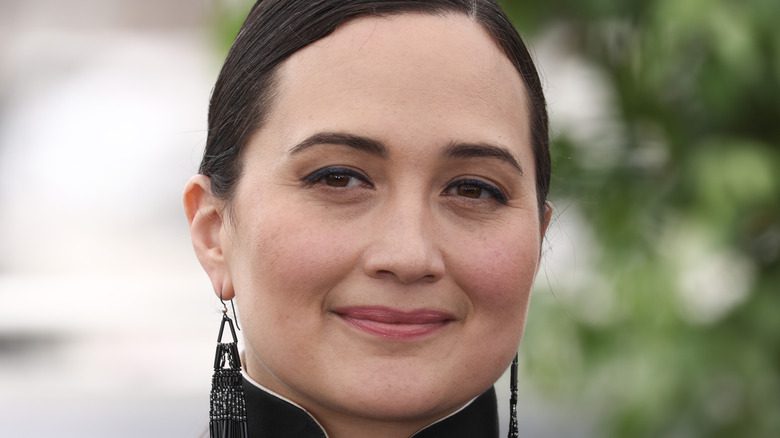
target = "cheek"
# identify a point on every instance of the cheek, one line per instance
(290, 263)
(288, 266)
(498, 276)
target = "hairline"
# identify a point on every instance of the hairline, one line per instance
(265, 102)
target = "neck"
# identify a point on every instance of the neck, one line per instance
(341, 426)
(344, 425)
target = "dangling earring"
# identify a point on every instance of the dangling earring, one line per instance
(513, 432)
(227, 414)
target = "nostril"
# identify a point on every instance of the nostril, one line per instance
(406, 277)
(407, 258)
(431, 277)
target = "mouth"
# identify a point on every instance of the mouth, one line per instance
(395, 324)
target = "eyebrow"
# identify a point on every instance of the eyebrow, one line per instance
(482, 150)
(360, 143)
(375, 147)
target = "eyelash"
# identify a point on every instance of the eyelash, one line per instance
(318, 177)
(496, 193)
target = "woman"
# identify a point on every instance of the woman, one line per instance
(373, 195)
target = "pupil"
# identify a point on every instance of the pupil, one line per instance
(470, 191)
(337, 180)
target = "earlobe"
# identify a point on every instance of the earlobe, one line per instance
(204, 213)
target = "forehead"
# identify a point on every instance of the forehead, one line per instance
(407, 75)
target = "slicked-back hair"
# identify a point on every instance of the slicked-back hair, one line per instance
(275, 29)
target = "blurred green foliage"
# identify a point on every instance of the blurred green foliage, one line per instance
(229, 15)
(674, 331)
(685, 216)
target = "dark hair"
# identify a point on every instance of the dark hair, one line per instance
(276, 29)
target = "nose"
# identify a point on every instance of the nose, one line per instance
(404, 245)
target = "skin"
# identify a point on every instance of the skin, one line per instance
(399, 229)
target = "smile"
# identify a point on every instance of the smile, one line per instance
(395, 324)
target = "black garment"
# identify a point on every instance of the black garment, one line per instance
(271, 417)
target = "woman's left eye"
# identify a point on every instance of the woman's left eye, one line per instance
(475, 189)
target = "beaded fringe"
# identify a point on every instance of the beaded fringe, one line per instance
(227, 412)
(513, 427)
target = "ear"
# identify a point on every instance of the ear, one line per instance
(205, 215)
(545, 223)
(546, 218)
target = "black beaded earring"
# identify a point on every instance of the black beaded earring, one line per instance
(227, 413)
(513, 432)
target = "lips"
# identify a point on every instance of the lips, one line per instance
(394, 323)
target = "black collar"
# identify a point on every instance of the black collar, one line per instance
(269, 416)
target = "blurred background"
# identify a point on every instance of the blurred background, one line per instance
(657, 309)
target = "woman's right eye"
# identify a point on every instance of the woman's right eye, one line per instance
(337, 177)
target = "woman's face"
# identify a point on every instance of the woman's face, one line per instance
(384, 234)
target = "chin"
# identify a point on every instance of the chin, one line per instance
(405, 406)
(404, 397)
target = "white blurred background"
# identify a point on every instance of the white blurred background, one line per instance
(107, 323)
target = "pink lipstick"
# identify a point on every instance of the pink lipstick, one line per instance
(394, 323)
